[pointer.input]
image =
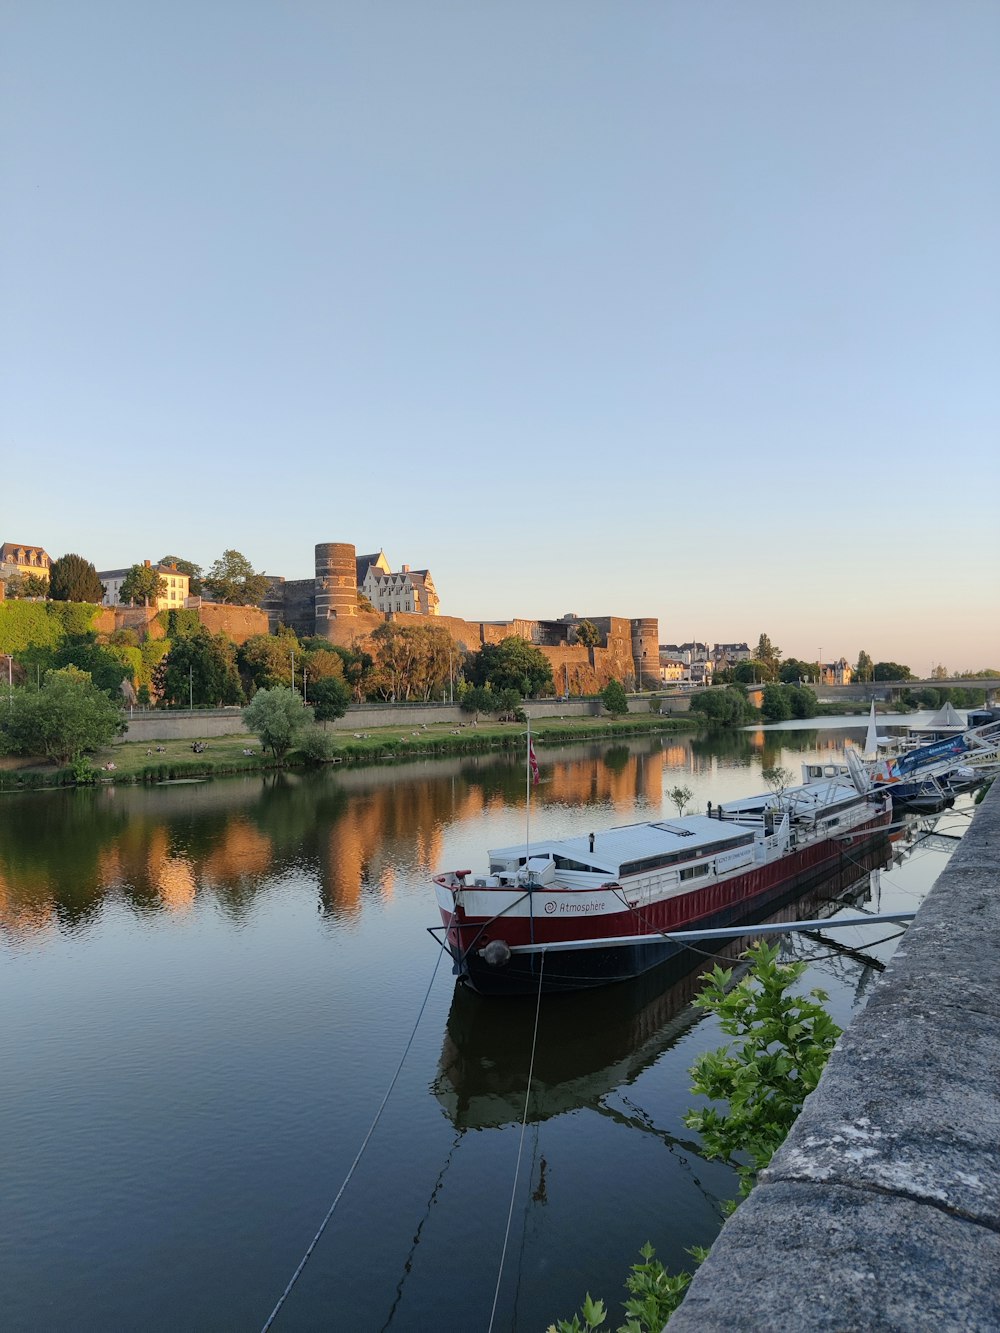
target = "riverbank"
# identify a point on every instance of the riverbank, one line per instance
(882, 1208)
(173, 758)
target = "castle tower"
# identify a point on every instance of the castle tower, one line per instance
(336, 583)
(646, 651)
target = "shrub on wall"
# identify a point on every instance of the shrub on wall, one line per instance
(42, 624)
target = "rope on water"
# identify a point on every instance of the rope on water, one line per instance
(520, 1146)
(364, 1144)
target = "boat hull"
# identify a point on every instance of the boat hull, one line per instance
(740, 900)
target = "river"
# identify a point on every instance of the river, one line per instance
(207, 988)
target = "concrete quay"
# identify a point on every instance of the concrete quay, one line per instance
(882, 1208)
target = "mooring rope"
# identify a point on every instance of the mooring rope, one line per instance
(364, 1144)
(520, 1146)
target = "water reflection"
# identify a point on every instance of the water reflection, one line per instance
(158, 849)
(597, 1042)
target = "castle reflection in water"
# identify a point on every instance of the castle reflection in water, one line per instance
(64, 854)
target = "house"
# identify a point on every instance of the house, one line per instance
(836, 673)
(673, 669)
(726, 655)
(688, 653)
(172, 598)
(407, 589)
(18, 559)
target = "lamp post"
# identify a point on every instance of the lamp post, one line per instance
(10, 678)
(191, 688)
(293, 668)
(305, 685)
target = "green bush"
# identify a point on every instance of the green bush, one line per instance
(317, 746)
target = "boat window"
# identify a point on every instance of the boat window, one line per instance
(567, 863)
(664, 859)
(693, 872)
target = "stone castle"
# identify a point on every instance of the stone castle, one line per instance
(328, 606)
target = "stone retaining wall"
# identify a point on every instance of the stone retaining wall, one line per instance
(882, 1208)
(159, 725)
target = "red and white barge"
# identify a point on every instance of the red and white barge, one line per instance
(586, 911)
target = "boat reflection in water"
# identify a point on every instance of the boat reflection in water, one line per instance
(592, 1042)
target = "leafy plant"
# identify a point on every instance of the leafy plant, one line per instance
(84, 772)
(654, 1295)
(777, 778)
(592, 1315)
(681, 796)
(782, 1044)
(317, 745)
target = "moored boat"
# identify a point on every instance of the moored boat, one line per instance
(581, 912)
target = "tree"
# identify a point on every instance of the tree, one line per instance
(864, 667)
(73, 579)
(265, 660)
(141, 584)
(277, 718)
(724, 708)
(803, 700)
(776, 705)
(613, 698)
(769, 655)
(793, 670)
(588, 634)
(940, 672)
(681, 796)
(505, 705)
(329, 698)
(891, 671)
(104, 665)
(27, 585)
(187, 567)
(752, 672)
(199, 668)
(412, 661)
(67, 717)
(511, 664)
(233, 579)
(358, 666)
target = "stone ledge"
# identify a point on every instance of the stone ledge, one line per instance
(882, 1208)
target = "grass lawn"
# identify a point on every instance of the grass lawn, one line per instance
(158, 761)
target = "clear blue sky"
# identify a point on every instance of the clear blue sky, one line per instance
(676, 309)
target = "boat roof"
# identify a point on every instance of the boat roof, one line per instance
(632, 842)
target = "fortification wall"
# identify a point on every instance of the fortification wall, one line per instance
(239, 622)
(299, 607)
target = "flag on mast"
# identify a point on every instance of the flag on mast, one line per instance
(532, 762)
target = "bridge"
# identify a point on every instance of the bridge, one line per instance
(889, 689)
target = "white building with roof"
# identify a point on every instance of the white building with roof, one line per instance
(410, 590)
(172, 598)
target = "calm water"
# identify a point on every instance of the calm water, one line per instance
(207, 988)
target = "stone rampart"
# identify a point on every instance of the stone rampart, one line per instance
(881, 1211)
(239, 622)
(160, 725)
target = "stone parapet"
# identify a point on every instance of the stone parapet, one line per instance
(882, 1208)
